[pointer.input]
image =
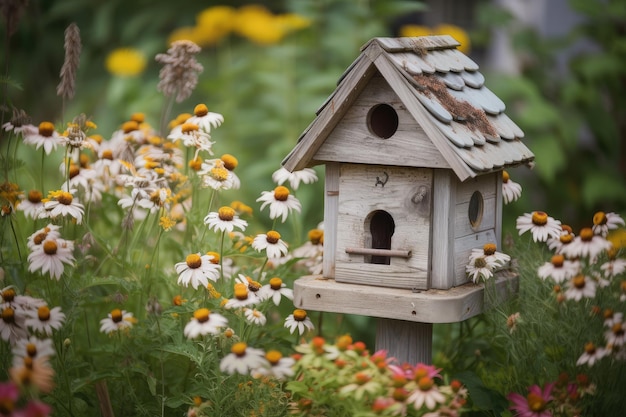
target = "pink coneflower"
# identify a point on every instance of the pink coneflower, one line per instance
(535, 404)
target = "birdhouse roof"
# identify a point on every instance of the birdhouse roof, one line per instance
(443, 91)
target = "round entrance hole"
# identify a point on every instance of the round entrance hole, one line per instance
(475, 210)
(382, 120)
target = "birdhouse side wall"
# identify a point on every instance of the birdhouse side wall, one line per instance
(354, 140)
(402, 194)
(475, 197)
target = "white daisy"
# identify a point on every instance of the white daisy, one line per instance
(276, 289)
(591, 355)
(12, 326)
(278, 366)
(32, 205)
(214, 175)
(298, 320)
(306, 175)
(426, 394)
(198, 270)
(192, 137)
(242, 359)
(491, 255)
(540, 225)
(33, 347)
(255, 316)
(10, 298)
(613, 267)
(272, 244)
(253, 286)
(117, 320)
(480, 267)
(280, 201)
(224, 220)
(204, 322)
(44, 320)
(46, 136)
(205, 119)
(63, 203)
(559, 269)
(616, 335)
(587, 244)
(603, 222)
(242, 297)
(51, 256)
(51, 231)
(580, 286)
(511, 190)
(566, 237)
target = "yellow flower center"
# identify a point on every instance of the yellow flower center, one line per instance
(239, 349)
(189, 127)
(489, 249)
(273, 356)
(74, 170)
(50, 247)
(586, 234)
(228, 333)
(31, 350)
(43, 313)
(219, 173)
(558, 260)
(579, 281)
(8, 295)
(46, 129)
(116, 315)
(226, 213)
(566, 238)
(618, 329)
(599, 218)
(35, 196)
(316, 236)
(196, 164)
(177, 300)
(273, 237)
(65, 198)
(343, 342)
(40, 238)
(241, 291)
(276, 283)
(299, 314)
(202, 315)
(138, 117)
(215, 257)
(505, 177)
(362, 378)
(230, 162)
(8, 315)
(130, 126)
(535, 402)
(425, 383)
(193, 261)
(281, 193)
(201, 110)
(590, 348)
(107, 154)
(539, 218)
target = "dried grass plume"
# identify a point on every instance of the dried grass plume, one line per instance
(72, 46)
(179, 75)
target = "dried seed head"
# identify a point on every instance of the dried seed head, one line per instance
(179, 75)
(72, 46)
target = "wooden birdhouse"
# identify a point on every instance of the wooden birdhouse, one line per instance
(414, 146)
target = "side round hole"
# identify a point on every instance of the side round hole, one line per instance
(475, 211)
(382, 121)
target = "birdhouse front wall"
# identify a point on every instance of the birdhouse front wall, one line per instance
(388, 208)
(378, 129)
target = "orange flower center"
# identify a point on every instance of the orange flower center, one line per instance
(130, 126)
(586, 234)
(599, 218)
(281, 193)
(65, 198)
(241, 291)
(35, 196)
(230, 162)
(505, 176)
(40, 238)
(299, 315)
(539, 218)
(138, 117)
(43, 313)
(618, 329)
(590, 348)
(425, 383)
(46, 129)
(489, 249)
(8, 315)
(116, 315)
(558, 260)
(215, 257)
(316, 236)
(202, 315)
(535, 402)
(276, 283)
(273, 356)
(226, 213)
(362, 378)
(194, 261)
(107, 154)
(74, 170)
(31, 350)
(189, 127)
(196, 164)
(566, 238)
(50, 247)
(201, 110)
(579, 281)
(8, 295)
(273, 237)
(239, 349)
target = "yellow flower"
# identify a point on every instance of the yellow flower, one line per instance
(292, 21)
(214, 23)
(457, 33)
(415, 30)
(188, 33)
(125, 62)
(258, 24)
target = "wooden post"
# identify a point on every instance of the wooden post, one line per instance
(407, 341)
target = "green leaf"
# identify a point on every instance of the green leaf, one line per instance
(483, 397)
(549, 157)
(601, 187)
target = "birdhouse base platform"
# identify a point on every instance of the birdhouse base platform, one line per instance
(316, 293)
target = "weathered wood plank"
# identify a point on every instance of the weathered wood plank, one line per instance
(331, 208)
(433, 306)
(444, 202)
(406, 341)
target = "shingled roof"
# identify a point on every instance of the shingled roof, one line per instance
(445, 93)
